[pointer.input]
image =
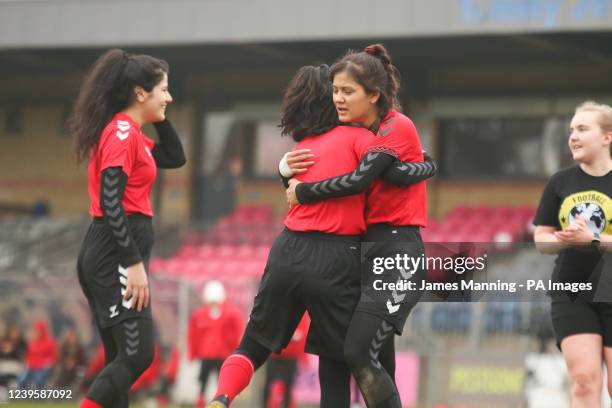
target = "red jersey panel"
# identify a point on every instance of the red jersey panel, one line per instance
(337, 152)
(122, 144)
(387, 203)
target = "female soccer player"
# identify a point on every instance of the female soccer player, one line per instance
(574, 218)
(365, 86)
(314, 263)
(121, 93)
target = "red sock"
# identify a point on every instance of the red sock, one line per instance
(87, 403)
(234, 376)
(277, 394)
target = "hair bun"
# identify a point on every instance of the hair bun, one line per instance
(379, 51)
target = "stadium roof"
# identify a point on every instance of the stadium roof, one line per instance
(107, 23)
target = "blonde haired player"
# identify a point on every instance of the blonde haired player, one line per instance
(574, 219)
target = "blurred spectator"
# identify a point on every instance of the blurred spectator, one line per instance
(281, 369)
(12, 355)
(41, 355)
(214, 332)
(72, 360)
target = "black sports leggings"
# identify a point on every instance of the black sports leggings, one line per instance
(369, 352)
(129, 350)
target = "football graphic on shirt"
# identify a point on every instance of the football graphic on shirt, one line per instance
(592, 213)
(594, 206)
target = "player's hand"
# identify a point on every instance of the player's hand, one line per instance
(137, 286)
(291, 196)
(300, 160)
(577, 233)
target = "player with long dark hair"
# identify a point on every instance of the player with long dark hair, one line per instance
(121, 93)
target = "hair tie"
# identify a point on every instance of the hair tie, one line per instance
(370, 50)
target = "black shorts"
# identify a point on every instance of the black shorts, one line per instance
(102, 278)
(309, 271)
(581, 317)
(378, 295)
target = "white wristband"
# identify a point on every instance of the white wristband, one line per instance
(283, 167)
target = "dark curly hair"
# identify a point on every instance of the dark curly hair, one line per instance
(308, 107)
(107, 89)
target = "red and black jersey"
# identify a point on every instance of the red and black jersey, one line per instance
(122, 144)
(336, 152)
(387, 203)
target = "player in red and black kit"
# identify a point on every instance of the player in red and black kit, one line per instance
(121, 93)
(314, 263)
(365, 86)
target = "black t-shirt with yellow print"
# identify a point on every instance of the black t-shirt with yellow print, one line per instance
(569, 193)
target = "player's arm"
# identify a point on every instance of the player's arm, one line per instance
(579, 233)
(373, 165)
(546, 241)
(168, 152)
(369, 169)
(405, 173)
(294, 162)
(112, 187)
(606, 241)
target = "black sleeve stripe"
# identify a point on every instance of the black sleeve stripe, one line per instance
(347, 181)
(406, 173)
(113, 187)
(355, 182)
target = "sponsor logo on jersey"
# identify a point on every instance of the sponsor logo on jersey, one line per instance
(594, 206)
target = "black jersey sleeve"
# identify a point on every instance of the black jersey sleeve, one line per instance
(548, 209)
(112, 187)
(405, 173)
(168, 152)
(369, 168)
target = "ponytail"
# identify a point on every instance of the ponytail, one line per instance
(379, 51)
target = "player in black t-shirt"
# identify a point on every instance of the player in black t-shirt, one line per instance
(574, 219)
